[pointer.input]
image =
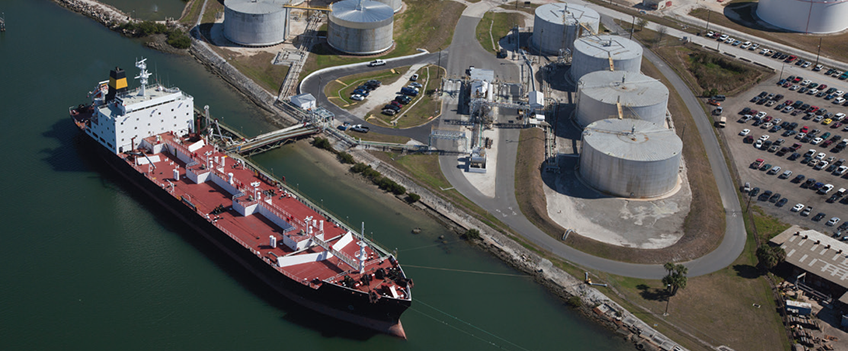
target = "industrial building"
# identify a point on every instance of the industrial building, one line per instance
(630, 158)
(360, 27)
(255, 22)
(816, 261)
(604, 53)
(557, 25)
(619, 94)
(805, 16)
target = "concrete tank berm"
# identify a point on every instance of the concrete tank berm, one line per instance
(360, 27)
(255, 22)
(805, 16)
(557, 25)
(640, 96)
(630, 158)
(593, 53)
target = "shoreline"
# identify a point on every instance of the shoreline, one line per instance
(595, 304)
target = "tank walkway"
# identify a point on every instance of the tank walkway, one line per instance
(272, 140)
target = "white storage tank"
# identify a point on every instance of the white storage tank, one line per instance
(630, 158)
(361, 27)
(593, 53)
(255, 22)
(640, 97)
(557, 25)
(394, 4)
(805, 16)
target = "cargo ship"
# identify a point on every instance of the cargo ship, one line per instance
(149, 136)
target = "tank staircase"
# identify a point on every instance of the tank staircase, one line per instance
(273, 140)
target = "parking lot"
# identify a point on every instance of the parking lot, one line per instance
(784, 127)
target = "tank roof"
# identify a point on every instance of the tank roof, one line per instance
(632, 139)
(256, 7)
(605, 46)
(565, 13)
(628, 88)
(364, 11)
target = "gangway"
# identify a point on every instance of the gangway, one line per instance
(273, 139)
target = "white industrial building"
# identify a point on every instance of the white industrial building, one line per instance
(601, 94)
(482, 83)
(557, 25)
(304, 102)
(255, 22)
(805, 16)
(604, 53)
(630, 158)
(360, 27)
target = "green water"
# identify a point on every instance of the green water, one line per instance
(89, 263)
(153, 10)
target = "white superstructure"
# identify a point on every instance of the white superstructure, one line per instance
(122, 121)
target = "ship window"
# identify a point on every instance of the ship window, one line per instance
(136, 127)
(172, 110)
(160, 113)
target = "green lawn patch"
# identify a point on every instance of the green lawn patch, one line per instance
(494, 26)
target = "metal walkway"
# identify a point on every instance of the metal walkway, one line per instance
(273, 139)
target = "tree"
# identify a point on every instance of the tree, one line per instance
(661, 33)
(676, 277)
(770, 256)
(641, 22)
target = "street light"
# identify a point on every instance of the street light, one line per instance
(668, 289)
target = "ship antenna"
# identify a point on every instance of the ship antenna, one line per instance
(143, 75)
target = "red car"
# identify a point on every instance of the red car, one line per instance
(827, 143)
(791, 58)
(813, 109)
(805, 129)
(788, 102)
(787, 84)
(822, 87)
(836, 125)
(797, 79)
(795, 147)
(768, 119)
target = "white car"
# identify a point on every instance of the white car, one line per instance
(826, 189)
(786, 174)
(816, 141)
(357, 97)
(774, 170)
(839, 116)
(806, 81)
(745, 132)
(841, 170)
(754, 47)
(764, 137)
(800, 136)
(764, 51)
(797, 207)
(820, 156)
(821, 165)
(761, 114)
(758, 144)
(788, 109)
(724, 37)
(818, 68)
(794, 87)
(767, 125)
(745, 45)
(806, 64)
(838, 100)
(839, 93)
(832, 221)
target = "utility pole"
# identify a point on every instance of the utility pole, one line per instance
(668, 299)
(632, 27)
(818, 52)
(708, 20)
(781, 71)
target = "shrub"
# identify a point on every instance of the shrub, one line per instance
(346, 157)
(359, 167)
(412, 197)
(472, 234)
(574, 301)
(322, 143)
(145, 28)
(179, 39)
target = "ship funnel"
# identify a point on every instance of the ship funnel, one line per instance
(117, 83)
(273, 241)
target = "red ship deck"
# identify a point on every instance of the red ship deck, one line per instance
(284, 216)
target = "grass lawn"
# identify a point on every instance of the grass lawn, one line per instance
(382, 138)
(489, 31)
(339, 91)
(190, 16)
(426, 24)
(832, 46)
(422, 109)
(259, 68)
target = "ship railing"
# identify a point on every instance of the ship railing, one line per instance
(177, 146)
(341, 255)
(282, 214)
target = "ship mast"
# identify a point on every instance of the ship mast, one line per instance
(142, 76)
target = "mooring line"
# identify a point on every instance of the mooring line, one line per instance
(466, 323)
(466, 271)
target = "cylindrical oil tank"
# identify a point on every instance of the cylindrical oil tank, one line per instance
(360, 27)
(630, 158)
(394, 4)
(805, 16)
(255, 22)
(557, 25)
(593, 53)
(599, 95)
